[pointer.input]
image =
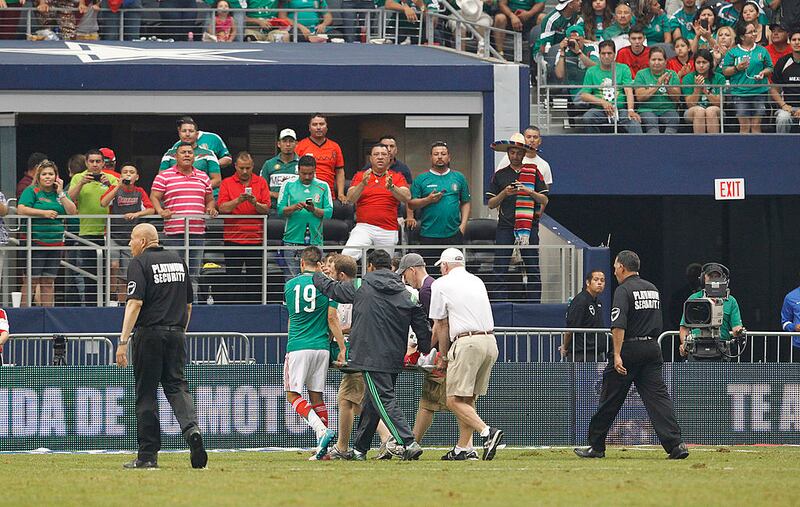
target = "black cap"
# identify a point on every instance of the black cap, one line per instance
(773, 26)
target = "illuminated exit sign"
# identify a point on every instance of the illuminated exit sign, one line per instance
(729, 189)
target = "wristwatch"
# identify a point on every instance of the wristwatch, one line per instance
(62, 195)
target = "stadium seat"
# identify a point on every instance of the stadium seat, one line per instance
(335, 232)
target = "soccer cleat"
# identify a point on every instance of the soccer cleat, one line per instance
(589, 452)
(359, 456)
(491, 442)
(324, 442)
(140, 464)
(679, 452)
(452, 455)
(197, 453)
(336, 454)
(412, 452)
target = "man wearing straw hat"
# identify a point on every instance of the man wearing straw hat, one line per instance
(520, 194)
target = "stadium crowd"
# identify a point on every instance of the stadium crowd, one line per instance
(302, 186)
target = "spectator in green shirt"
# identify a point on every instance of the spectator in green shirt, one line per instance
(748, 64)
(574, 58)
(702, 94)
(517, 15)
(655, 23)
(442, 199)
(283, 166)
(46, 200)
(657, 92)
(595, 17)
(623, 22)
(309, 20)
(205, 158)
(304, 202)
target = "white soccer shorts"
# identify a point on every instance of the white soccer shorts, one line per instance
(307, 368)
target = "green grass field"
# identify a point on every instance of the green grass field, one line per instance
(710, 476)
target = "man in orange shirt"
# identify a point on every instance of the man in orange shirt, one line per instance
(327, 153)
(376, 193)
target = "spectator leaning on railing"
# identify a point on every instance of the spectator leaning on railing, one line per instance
(658, 92)
(46, 200)
(305, 202)
(701, 90)
(787, 75)
(132, 202)
(244, 193)
(184, 190)
(283, 166)
(310, 23)
(610, 101)
(748, 64)
(376, 193)
(86, 189)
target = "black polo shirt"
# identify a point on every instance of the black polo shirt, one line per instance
(507, 209)
(637, 308)
(585, 311)
(787, 73)
(160, 279)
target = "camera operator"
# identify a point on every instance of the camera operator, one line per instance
(731, 317)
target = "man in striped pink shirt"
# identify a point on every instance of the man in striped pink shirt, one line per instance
(179, 191)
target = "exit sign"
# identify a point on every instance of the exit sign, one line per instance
(729, 189)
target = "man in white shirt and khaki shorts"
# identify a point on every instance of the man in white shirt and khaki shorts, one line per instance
(464, 326)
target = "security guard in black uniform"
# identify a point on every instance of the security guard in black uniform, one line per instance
(159, 304)
(635, 326)
(586, 311)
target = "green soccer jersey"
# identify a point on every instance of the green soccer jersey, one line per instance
(307, 18)
(210, 141)
(522, 5)
(731, 316)
(659, 102)
(308, 314)
(88, 203)
(294, 192)
(598, 82)
(575, 70)
(554, 28)
(204, 160)
(277, 172)
(44, 231)
(688, 89)
(614, 30)
(441, 219)
(683, 20)
(759, 61)
(655, 29)
(266, 9)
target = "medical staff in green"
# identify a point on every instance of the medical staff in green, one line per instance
(657, 92)
(731, 315)
(304, 202)
(205, 159)
(283, 166)
(308, 348)
(442, 199)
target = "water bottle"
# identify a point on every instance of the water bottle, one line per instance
(210, 300)
(307, 237)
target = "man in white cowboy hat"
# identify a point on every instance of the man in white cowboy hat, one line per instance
(520, 194)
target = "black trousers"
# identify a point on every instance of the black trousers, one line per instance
(243, 269)
(644, 364)
(380, 404)
(158, 357)
(431, 255)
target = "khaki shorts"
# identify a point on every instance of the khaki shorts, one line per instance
(434, 394)
(470, 361)
(352, 388)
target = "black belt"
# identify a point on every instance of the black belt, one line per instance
(163, 328)
(638, 339)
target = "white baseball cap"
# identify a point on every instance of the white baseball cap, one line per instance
(451, 255)
(287, 133)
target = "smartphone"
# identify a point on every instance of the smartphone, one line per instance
(309, 202)
(248, 190)
(126, 182)
(704, 24)
(96, 177)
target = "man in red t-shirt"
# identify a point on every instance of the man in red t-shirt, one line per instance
(637, 55)
(244, 193)
(778, 42)
(376, 193)
(327, 153)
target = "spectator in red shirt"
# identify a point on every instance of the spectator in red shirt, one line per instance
(327, 153)
(778, 42)
(637, 55)
(376, 193)
(244, 193)
(132, 202)
(683, 61)
(110, 162)
(33, 161)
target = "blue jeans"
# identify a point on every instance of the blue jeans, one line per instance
(594, 118)
(132, 22)
(530, 258)
(669, 120)
(196, 243)
(289, 260)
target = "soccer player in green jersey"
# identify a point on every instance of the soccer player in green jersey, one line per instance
(308, 348)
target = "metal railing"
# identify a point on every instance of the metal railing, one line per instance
(378, 25)
(760, 347)
(92, 271)
(98, 349)
(543, 345)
